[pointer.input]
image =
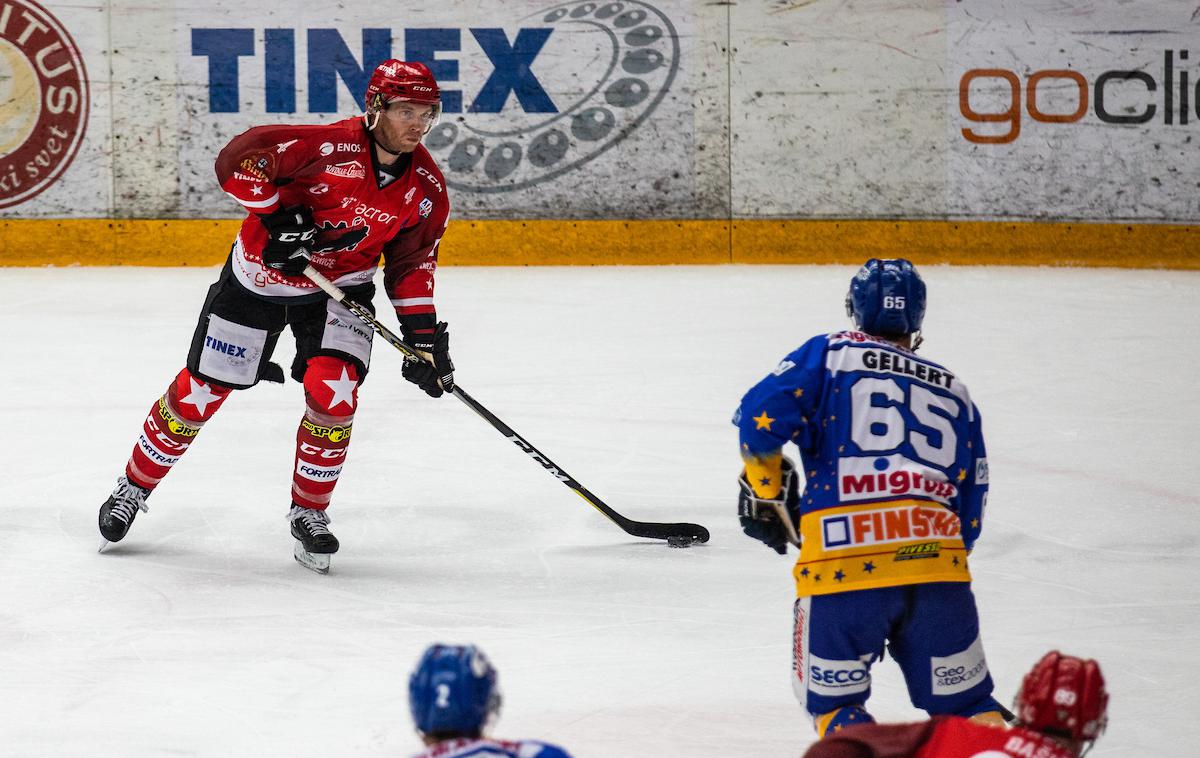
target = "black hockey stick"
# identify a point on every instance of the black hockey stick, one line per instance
(676, 535)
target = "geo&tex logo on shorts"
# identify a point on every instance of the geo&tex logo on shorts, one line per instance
(959, 672)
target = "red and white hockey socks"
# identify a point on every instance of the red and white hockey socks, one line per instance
(173, 422)
(331, 396)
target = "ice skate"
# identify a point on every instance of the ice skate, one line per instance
(118, 512)
(314, 542)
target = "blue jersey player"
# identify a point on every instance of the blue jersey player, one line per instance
(454, 697)
(895, 481)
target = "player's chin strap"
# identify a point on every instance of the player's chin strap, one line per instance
(676, 535)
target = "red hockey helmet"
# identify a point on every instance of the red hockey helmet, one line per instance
(395, 80)
(1064, 696)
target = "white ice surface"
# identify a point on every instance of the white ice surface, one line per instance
(199, 635)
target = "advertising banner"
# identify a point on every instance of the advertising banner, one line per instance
(54, 110)
(545, 105)
(966, 109)
(1074, 110)
(668, 110)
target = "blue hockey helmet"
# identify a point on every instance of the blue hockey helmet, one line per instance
(887, 298)
(453, 691)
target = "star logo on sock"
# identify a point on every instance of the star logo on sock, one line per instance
(343, 390)
(201, 396)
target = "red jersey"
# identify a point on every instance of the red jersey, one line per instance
(940, 737)
(333, 171)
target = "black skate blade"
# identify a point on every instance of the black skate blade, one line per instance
(318, 562)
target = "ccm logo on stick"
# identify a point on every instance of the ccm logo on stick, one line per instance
(1138, 92)
(532, 453)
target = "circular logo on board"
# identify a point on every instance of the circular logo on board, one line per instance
(43, 100)
(622, 61)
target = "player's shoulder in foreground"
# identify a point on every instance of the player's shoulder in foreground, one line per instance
(295, 145)
(337, 140)
(493, 748)
(428, 171)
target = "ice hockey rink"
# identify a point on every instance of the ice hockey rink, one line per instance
(198, 635)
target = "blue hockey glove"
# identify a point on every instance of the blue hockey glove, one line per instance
(771, 521)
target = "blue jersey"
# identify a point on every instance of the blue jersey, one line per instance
(892, 451)
(488, 748)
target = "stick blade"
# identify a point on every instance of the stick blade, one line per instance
(676, 535)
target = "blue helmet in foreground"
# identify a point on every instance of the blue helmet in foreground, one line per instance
(887, 298)
(453, 691)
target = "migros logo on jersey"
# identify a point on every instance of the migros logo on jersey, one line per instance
(537, 104)
(868, 486)
(890, 476)
(888, 525)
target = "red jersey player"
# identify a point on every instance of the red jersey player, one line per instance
(338, 197)
(1062, 708)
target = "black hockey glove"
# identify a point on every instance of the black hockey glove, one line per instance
(436, 373)
(771, 521)
(290, 236)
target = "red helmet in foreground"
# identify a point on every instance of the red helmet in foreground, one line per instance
(399, 80)
(395, 80)
(1064, 696)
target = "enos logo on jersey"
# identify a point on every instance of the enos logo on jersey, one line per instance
(43, 100)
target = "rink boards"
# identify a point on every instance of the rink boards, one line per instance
(68, 242)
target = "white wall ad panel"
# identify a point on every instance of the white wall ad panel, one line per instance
(837, 109)
(1024, 109)
(55, 153)
(1074, 110)
(550, 109)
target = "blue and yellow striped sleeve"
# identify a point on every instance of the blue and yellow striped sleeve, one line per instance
(777, 410)
(973, 491)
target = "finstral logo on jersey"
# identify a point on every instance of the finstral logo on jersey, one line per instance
(44, 109)
(536, 105)
(887, 525)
